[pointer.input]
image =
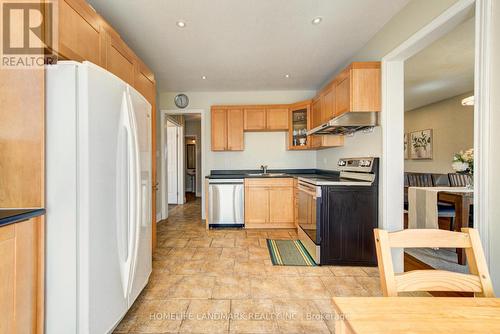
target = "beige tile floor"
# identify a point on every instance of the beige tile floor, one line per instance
(222, 281)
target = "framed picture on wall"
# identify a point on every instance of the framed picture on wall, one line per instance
(406, 155)
(421, 144)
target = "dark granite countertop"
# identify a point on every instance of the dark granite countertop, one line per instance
(244, 173)
(12, 216)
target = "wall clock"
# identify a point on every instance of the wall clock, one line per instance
(181, 101)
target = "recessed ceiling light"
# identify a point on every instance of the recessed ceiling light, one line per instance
(204, 77)
(287, 76)
(317, 20)
(181, 24)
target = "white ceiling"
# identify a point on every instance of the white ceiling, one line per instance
(442, 70)
(245, 44)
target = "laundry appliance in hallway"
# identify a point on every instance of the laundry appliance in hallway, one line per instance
(98, 200)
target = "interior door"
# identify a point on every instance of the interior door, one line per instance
(172, 165)
(141, 265)
(101, 297)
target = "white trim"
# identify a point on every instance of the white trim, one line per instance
(392, 116)
(198, 170)
(482, 116)
(204, 144)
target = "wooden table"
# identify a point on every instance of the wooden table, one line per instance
(462, 202)
(417, 315)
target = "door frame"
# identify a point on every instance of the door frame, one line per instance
(163, 186)
(392, 116)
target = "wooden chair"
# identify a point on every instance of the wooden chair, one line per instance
(420, 180)
(478, 281)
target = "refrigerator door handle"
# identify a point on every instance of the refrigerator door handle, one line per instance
(136, 199)
(127, 193)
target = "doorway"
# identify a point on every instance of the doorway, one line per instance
(190, 170)
(181, 159)
(392, 179)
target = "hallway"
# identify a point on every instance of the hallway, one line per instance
(223, 281)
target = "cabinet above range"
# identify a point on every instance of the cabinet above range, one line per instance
(350, 102)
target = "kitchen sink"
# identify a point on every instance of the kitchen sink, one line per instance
(266, 174)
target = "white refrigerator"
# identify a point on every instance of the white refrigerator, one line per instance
(98, 198)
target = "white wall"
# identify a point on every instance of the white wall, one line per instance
(452, 127)
(408, 21)
(260, 148)
(193, 128)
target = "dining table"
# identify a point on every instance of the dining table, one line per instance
(393, 315)
(462, 202)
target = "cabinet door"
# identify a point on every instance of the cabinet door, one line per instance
(144, 83)
(78, 31)
(119, 60)
(21, 273)
(343, 96)
(281, 208)
(235, 130)
(366, 89)
(255, 119)
(256, 205)
(277, 119)
(316, 113)
(328, 104)
(219, 129)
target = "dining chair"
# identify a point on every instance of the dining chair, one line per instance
(459, 180)
(478, 281)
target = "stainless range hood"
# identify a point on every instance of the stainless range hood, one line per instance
(347, 123)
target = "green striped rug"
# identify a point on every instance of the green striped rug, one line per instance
(289, 253)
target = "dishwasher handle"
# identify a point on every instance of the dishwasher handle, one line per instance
(225, 181)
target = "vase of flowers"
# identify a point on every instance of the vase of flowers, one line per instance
(463, 163)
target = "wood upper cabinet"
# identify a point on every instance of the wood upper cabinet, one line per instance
(266, 118)
(79, 31)
(255, 119)
(119, 59)
(316, 114)
(21, 277)
(358, 88)
(328, 104)
(218, 122)
(235, 130)
(144, 82)
(269, 203)
(227, 129)
(342, 95)
(277, 118)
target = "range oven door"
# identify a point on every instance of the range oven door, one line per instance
(308, 201)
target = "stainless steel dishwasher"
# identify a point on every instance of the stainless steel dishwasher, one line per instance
(226, 203)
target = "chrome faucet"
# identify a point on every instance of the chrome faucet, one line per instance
(264, 169)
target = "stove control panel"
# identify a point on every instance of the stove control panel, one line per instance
(356, 164)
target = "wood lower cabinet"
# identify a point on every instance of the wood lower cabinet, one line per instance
(227, 129)
(21, 277)
(269, 203)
